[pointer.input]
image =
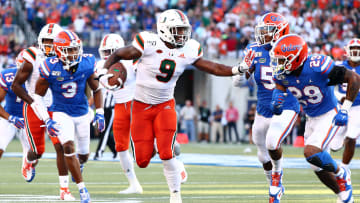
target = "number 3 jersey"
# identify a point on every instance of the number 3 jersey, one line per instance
(68, 87)
(265, 84)
(13, 104)
(159, 67)
(311, 88)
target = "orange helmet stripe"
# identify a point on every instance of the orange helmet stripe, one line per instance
(181, 15)
(50, 30)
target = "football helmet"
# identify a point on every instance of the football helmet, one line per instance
(68, 48)
(109, 44)
(271, 25)
(353, 50)
(19, 59)
(49, 31)
(173, 27)
(288, 54)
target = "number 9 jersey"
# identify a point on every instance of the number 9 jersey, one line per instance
(68, 87)
(159, 67)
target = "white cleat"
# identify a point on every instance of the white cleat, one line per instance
(66, 195)
(133, 189)
(175, 197)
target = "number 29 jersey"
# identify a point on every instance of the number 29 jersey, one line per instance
(68, 88)
(159, 67)
(265, 84)
(311, 88)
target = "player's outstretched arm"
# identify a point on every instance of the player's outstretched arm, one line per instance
(21, 76)
(213, 68)
(3, 113)
(125, 53)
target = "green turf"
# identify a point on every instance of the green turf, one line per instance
(205, 183)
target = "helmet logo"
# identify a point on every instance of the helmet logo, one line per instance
(59, 40)
(276, 18)
(290, 47)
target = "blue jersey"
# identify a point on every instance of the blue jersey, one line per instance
(68, 89)
(13, 104)
(342, 87)
(311, 88)
(265, 84)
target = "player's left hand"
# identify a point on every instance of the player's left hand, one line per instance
(100, 121)
(341, 118)
(277, 101)
(17, 121)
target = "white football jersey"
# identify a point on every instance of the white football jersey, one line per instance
(159, 67)
(35, 56)
(126, 93)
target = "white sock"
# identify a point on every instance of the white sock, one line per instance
(64, 181)
(172, 174)
(340, 173)
(81, 185)
(277, 165)
(268, 175)
(128, 166)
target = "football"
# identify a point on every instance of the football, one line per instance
(119, 71)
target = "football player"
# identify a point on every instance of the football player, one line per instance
(353, 128)
(67, 75)
(28, 74)
(11, 121)
(269, 129)
(162, 58)
(310, 79)
(123, 98)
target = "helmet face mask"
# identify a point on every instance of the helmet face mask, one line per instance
(264, 33)
(68, 48)
(174, 28)
(353, 50)
(46, 38)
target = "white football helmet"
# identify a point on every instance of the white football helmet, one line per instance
(109, 44)
(49, 31)
(353, 50)
(173, 27)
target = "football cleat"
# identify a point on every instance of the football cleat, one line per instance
(66, 195)
(133, 189)
(345, 187)
(276, 189)
(81, 170)
(84, 196)
(28, 170)
(175, 197)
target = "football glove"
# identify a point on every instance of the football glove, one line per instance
(277, 101)
(341, 118)
(104, 81)
(52, 127)
(99, 120)
(16, 121)
(245, 64)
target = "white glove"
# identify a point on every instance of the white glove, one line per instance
(238, 80)
(104, 81)
(245, 64)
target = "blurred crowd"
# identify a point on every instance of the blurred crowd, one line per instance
(223, 27)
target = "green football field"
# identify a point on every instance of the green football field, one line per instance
(205, 183)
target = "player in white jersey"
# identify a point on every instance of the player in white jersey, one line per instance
(28, 75)
(123, 98)
(162, 59)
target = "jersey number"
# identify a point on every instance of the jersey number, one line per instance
(70, 88)
(313, 93)
(167, 68)
(266, 77)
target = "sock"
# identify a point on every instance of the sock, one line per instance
(128, 166)
(81, 185)
(268, 175)
(277, 165)
(64, 181)
(172, 174)
(340, 173)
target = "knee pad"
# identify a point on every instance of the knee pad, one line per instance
(323, 160)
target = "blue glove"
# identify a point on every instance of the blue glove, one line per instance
(51, 127)
(341, 118)
(16, 121)
(100, 121)
(277, 101)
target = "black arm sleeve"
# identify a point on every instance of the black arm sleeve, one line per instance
(336, 75)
